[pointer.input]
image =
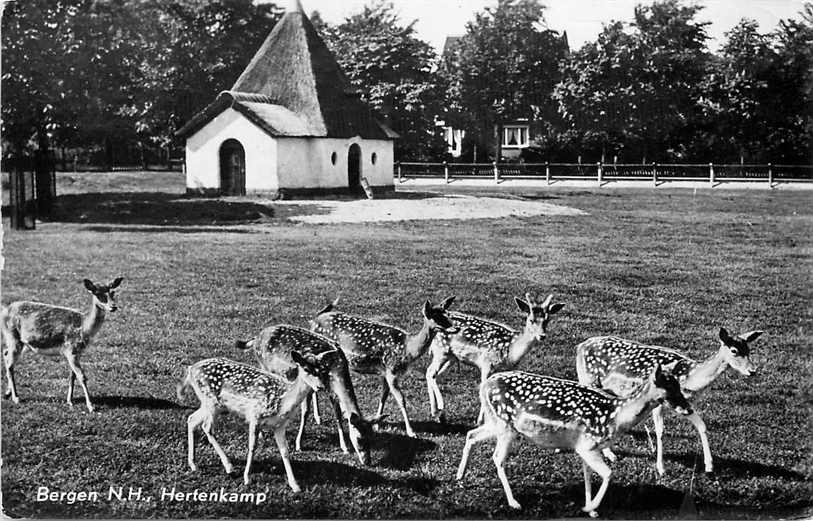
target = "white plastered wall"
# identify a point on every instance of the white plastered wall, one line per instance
(306, 162)
(203, 153)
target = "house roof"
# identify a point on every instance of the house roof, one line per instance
(293, 86)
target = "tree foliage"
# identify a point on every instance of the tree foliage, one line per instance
(391, 68)
(504, 67)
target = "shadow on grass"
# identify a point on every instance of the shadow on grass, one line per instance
(332, 473)
(155, 208)
(736, 467)
(400, 450)
(134, 402)
(441, 429)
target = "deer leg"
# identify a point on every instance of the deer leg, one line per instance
(593, 459)
(657, 419)
(12, 353)
(252, 440)
(435, 369)
(303, 407)
(700, 425)
(501, 451)
(73, 362)
(316, 416)
(207, 425)
(194, 420)
(485, 372)
(476, 435)
(337, 412)
(588, 486)
(282, 445)
(392, 381)
(385, 393)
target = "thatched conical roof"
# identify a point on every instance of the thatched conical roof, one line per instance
(295, 72)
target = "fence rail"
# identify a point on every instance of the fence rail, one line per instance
(713, 173)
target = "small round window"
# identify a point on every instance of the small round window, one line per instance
(333, 158)
(374, 158)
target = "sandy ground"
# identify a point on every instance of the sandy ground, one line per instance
(459, 207)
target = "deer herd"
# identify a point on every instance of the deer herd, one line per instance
(620, 382)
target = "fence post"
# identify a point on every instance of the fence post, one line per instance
(547, 172)
(398, 167)
(770, 174)
(599, 173)
(496, 173)
(711, 174)
(446, 172)
(655, 174)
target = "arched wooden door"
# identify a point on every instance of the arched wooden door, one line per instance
(232, 168)
(354, 166)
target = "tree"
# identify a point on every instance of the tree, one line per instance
(637, 91)
(392, 71)
(505, 67)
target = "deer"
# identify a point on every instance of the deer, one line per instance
(563, 414)
(486, 345)
(261, 399)
(618, 365)
(273, 347)
(51, 331)
(386, 351)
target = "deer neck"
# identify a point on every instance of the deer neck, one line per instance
(298, 391)
(522, 343)
(342, 387)
(705, 372)
(631, 411)
(417, 344)
(92, 320)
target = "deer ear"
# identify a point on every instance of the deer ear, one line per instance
(751, 335)
(116, 283)
(301, 360)
(671, 366)
(89, 285)
(427, 309)
(724, 336)
(555, 308)
(447, 303)
(547, 301)
(522, 305)
(657, 374)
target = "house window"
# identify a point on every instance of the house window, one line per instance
(515, 136)
(374, 158)
(333, 157)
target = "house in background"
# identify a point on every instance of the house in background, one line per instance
(290, 123)
(515, 135)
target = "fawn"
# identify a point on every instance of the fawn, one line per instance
(54, 330)
(562, 414)
(619, 365)
(379, 349)
(273, 347)
(262, 399)
(486, 345)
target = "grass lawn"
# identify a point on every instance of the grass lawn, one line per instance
(659, 266)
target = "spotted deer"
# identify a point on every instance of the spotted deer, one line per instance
(619, 365)
(561, 414)
(262, 399)
(52, 330)
(273, 347)
(374, 348)
(486, 345)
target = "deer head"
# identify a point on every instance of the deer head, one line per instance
(736, 352)
(538, 315)
(104, 297)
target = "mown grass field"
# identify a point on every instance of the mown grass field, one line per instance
(665, 266)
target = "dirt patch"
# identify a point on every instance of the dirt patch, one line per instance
(455, 207)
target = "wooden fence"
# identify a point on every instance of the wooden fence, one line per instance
(713, 173)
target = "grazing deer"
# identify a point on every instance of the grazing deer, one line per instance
(379, 349)
(562, 414)
(262, 399)
(273, 347)
(54, 330)
(486, 345)
(619, 365)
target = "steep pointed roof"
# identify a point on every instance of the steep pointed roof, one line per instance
(294, 69)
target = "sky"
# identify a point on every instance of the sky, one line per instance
(582, 19)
